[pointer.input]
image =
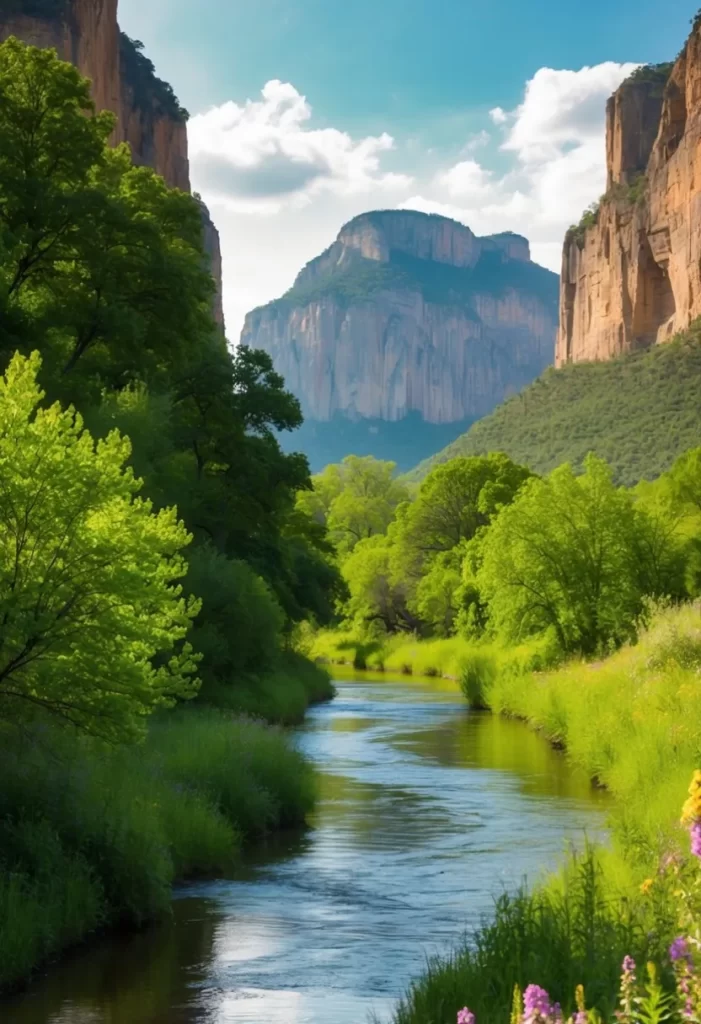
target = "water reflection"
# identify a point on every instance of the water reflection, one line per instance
(425, 811)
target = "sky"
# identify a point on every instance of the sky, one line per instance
(305, 113)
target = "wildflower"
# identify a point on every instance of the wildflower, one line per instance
(692, 808)
(537, 1006)
(680, 955)
(581, 1016)
(646, 886)
(679, 950)
(466, 1016)
(695, 834)
(624, 1015)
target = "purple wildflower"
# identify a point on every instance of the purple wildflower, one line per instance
(628, 965)
(536, 1004)
(580, 1017)
(695, 833)
(679, 950)
(466, 1016)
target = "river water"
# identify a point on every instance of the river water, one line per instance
(426, 812)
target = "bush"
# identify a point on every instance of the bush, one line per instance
(240, 623)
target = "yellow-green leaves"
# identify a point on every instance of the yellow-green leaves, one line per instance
(92, 617)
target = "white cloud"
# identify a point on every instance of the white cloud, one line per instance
(262, 155)
(555, 140)
(265, 156)
(477, 141)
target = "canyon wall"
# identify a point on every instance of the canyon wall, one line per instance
(408, 313)
(631, 272)
(149, 119)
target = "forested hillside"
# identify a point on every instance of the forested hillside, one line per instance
(638, 412)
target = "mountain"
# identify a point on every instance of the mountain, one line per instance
(149, 117)
(405, 330)
(631, 270)
(628, 358)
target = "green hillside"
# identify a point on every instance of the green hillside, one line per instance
(638, 412)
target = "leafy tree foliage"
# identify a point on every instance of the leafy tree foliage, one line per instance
(102, 270)
(561, 558)
(239, 630)
(355, 499)
(101, 263)
(454, 502)
(88, 591)
(376, 598)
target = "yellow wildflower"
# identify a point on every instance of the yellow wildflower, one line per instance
(646, 886)
(692, 808)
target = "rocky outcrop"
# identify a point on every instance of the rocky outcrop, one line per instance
(408, 313)
(149, 118)
(631, 273)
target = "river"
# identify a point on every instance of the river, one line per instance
(426, 811)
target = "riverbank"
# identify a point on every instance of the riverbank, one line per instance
(632, 721)
(93, 837)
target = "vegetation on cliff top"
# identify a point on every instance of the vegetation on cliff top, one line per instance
(654, 73)
(438, 283)
(638, 412)
(148, 88)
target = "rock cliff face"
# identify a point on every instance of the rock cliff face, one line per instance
(86, 33)
(408, 313)
(631, 277)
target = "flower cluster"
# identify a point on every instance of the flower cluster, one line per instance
(691, 814)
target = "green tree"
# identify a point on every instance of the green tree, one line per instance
(376, 598)
(101, 264)
(92, 619)
(355, 499)
(453, 502)
(238, 630)
(561, 557)
(436, 600)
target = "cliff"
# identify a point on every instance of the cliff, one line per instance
(150, 119)
(631, 271)
(410, 314)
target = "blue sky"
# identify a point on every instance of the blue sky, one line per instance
(387, 103)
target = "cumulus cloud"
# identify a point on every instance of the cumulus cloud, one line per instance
(555, 139)
(263, 155)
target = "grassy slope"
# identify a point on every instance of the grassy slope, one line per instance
(639, 413)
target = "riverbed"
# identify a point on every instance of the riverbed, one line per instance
(426, 812)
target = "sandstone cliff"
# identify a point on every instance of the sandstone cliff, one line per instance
(631, 272)
(86, 32)
(408, 313)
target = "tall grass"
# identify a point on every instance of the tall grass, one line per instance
(280, 696)
(558, 937)
(632, 721)
(474, 665)
(91, 836)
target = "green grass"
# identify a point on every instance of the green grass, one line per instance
(558, 937)
(474, 666)
(639, 413)
(92, 837)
